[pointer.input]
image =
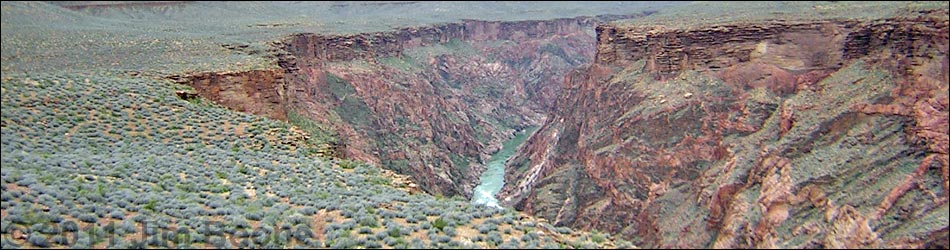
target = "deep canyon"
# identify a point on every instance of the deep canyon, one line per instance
(773, 133)
(430, 102)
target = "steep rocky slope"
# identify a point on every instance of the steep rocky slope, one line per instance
(768, 133)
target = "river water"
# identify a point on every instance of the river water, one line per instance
(494, 177)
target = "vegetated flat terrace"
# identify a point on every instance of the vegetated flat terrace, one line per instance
(192, 37)
(704, 13)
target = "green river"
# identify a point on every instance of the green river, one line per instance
(494, 177)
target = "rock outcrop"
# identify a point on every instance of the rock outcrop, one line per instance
(774, 134)
(258, 92)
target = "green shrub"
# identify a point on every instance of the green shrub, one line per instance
(369, 221)
(597, 237)
(348, 164)
(439, 223)
(150, 206)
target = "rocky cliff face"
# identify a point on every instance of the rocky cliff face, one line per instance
(429, 102)
(563, 38)
(258, 92)
(778, 134)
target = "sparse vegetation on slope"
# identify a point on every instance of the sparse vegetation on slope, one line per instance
(123, 162)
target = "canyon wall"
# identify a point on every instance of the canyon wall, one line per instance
(527, 39)
(770, 134)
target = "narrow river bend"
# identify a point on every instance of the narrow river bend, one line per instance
(493, 179)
